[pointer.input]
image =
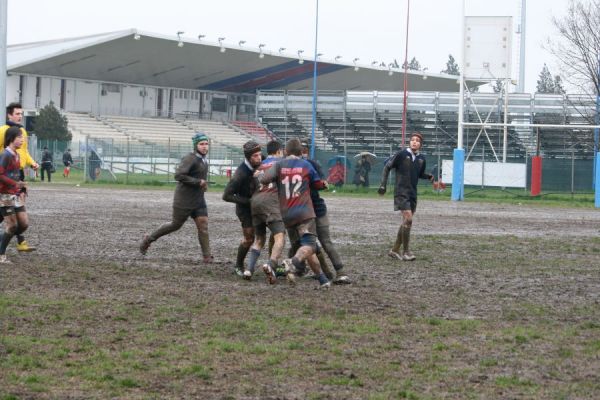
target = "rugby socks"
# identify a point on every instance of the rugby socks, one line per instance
(324, 266)
(203, 239)
(241, 255)
(323, 279)
(406, 238)
(399, 239)
(252, 258)
(6, 236)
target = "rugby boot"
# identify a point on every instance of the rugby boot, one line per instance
(342, 279)
(290, 270)
(24, 246)
(268, 270)
(394, 255)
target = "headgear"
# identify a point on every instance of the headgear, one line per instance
(250, 147)
(199, 137)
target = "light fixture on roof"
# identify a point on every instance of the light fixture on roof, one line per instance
(300, 59)
(137, 36)
(281, 49)
(356, 66)
(424, 74)
(222, 50)
(201, 36)
(179, 41)
(319, 55)
(390, 72)
(374, 63)
(260, 48)
(241, 42)
(337, 58)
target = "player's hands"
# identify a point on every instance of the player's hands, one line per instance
(326, 184)
(431, 178)
(203, 184)
(35, 166)
(381, 190)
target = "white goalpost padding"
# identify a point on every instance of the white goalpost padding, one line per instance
(513, 175)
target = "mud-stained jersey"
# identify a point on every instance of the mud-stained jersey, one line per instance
(294, 177)
(265, 199)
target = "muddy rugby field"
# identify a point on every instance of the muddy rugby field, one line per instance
(503, 301)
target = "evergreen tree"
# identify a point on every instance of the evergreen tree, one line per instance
(51, 125)
(451, 66)
(497, 85)
(558, 86)
(414, 64)
(545, 83)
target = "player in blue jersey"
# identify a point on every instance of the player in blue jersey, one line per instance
(294, 178)
(409, 166)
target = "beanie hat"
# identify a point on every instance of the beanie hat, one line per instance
(199, 137)
(250, 147)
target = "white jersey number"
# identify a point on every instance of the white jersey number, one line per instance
(293, 189)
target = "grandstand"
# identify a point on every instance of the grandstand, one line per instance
(356, 121)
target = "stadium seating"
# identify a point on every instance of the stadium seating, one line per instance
(357, 121)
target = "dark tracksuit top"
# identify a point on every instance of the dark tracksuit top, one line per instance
(407, 173)
(239, 190)
(188, 193)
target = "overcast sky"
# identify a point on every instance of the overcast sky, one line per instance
(370, 30)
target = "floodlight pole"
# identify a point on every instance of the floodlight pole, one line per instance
(596, 176)
(3, 29)
(314, 100)
(405, 76)
(458, 169)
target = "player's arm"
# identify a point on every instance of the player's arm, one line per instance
(386, 172)
(4, 179)
(28, 161)
(423, 174)
(268, 176)
(182, 174)
(231, 193)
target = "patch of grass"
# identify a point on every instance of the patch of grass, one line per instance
(198, 371)
(514, 381)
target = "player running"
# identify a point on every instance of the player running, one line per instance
(188, 201)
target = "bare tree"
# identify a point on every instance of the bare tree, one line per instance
(577, 46)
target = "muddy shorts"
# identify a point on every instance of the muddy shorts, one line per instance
(405, 203)
(245, 218)
(262, 221)
(7, 204)
(306, 232)
(183, 214)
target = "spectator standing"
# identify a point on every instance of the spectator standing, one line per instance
(67, 162)
(47, 164)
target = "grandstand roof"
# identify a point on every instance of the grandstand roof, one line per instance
(157, 60)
